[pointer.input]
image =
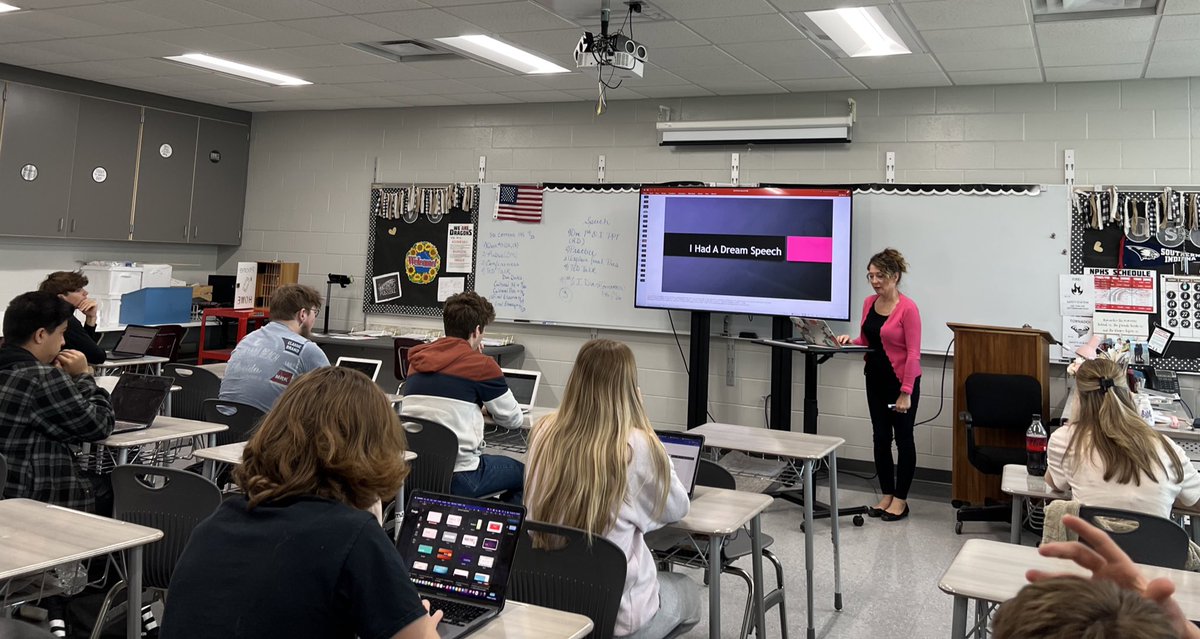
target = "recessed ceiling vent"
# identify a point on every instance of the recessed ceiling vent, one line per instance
(406, 51)
(1056, 10)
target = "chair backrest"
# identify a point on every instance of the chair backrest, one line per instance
(712, 474)
(197, 384)
(241, 419)
(436, 447)
(13, 629)
(1147, 539)
(3, 475)
(1005, 402)
(580, 575)
(400, 346)
(172, 500)
(166, 343)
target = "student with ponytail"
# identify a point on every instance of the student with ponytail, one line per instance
(1107, 456)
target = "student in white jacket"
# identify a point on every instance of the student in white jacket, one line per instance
(597, 465)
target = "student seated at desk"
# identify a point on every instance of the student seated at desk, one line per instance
(299, 555)
(48, 403)
(597, 465)
(449, 381)
(82, 337)
(1107, 456)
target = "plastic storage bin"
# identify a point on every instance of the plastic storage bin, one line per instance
(109, 314)
(106, 281)
(156, 275)
(157, 305)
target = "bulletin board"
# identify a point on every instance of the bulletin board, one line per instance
(420, 248)
(1147, 231)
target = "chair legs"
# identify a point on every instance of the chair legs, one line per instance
(104, 608)
(776, 597)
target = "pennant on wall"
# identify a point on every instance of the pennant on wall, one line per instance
(519, 203)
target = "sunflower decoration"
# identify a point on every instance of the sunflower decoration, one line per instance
(422, 262)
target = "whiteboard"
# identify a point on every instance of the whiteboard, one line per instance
(576, 267)
(972, 259)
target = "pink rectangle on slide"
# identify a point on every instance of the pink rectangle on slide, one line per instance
(810, 249)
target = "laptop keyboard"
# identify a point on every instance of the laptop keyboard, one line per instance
(513, 440)
(455, 613)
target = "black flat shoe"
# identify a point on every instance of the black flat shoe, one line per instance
(886, 516)
(874, 512)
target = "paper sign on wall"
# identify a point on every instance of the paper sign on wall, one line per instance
(460, 239)
(448, 286)
(1125, 290)
(1076, 295)
(1076, 332)
(243, 285)
(1124, 324)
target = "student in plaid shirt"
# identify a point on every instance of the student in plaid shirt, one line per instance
(48, 403)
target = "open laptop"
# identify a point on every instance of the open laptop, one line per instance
(524, 386)
(684, 451)
(369, 367)
(135, 341)
(459, 552)
(136, 400)
(815, 332)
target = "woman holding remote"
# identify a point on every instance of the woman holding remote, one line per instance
(891, 327)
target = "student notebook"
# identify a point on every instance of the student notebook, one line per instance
(459, 553)
(368, 367)
(684, 451)
(815, 332)
(135, 341)
(136, 400)
(524, 386)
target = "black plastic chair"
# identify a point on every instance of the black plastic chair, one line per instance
(1000, 403)
(400, 346)
(13, 629)
(1147, 539)
(436, 447)
(197, 384)
(3, 475)
(577, 573)
(175, 503)
(241, 419)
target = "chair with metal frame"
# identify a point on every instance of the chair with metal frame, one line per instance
(241, 419)
(400, 346)
(436, 447)
(196, 385)
(1147, 539)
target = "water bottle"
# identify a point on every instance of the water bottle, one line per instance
(1035, 448)
(1145, 410)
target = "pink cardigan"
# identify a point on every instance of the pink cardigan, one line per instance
(901, 337)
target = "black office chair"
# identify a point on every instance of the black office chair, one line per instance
(567, 569)
(241, 419)
(1000, 403)
(436, 447)
(1147, 539)
(13, 629)
(197, 384)
(175, 503)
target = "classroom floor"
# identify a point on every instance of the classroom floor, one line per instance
(890, 570)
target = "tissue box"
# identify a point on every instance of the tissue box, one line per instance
(157, 306)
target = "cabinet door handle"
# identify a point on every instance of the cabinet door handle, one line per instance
(185, 230)
(196, 231)
(61, 224)
(72, 226)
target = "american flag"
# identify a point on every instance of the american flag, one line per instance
(520, 203)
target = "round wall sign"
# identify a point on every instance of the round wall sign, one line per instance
(29, 173)
(214, 156)
(99, 174)
(165, 150)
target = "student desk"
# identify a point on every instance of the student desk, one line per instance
(231, 454)
(383, 349)
(717, 513)
(155, 363)
(992, 572)
(35, 537)
(219, 370)
(808, 449)
(521, 620)
(162, 432)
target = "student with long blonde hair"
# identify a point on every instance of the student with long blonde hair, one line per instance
(597, 465)
(1107, 455)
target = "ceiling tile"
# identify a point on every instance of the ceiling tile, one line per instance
(424, 23)
(427, 100)
(1069, 33)
(1089, 73)
(377, 88)
(775, 52)
(371, 6)
(979, 38)
(29, 54)
(342, 29)
(267, 35)
(823, 84)
(120, 18)
(397, 72)
(1180, 68)
(363, 73)
(655, 75)
(200, 41)
(443, 86)
(892, 64)
(802, 69)
(687, 57)
(278, 9)
(484, 98)
(699, 75)
(541, 96)
(673, 91)
(745, 29)
(1186, 27)
(1093, 54)
(989, 60)
(660, 35)
(690, 9)
(818, 5)
(1182, 6)
(567, 81)
(903, 80)
(506, 84)
(611, 95)
(737, 87)
(954, 14)
(43, 25)
(460, 68)
(76, 50)
(100, 71)
(997, 76)
(508, 17)
(127, 46)
(53, 4)
(192, 13)
(274, 59)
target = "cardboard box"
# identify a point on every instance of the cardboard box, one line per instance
(202, 292)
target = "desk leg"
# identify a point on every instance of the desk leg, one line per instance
(756, 561)
(1014, 536)
(833, 521)
(714, 586)
(808, 543)
(398, 515)
(210, 470)
(122, 455)
(133, 616)
(958, 627)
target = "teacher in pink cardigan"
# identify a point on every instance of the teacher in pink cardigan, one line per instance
(891, 327)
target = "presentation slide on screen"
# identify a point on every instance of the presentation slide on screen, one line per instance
(750, 251)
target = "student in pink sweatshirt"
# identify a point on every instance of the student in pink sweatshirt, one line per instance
(891, 326)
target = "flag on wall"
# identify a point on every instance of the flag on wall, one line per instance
(520, 203)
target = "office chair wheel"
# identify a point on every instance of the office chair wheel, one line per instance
(858, 520)
(957, 503)
(958, 527)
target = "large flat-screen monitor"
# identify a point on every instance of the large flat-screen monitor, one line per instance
(755, 251)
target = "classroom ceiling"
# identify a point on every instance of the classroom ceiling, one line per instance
(696, 48)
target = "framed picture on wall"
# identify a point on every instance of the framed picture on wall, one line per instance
(387, 287)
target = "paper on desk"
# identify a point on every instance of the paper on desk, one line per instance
(350, 337)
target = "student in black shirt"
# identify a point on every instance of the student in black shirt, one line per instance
(300, 555)
(82, 337)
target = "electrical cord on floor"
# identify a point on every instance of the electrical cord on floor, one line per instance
(767, 410)
(685, 361)
(942, 386)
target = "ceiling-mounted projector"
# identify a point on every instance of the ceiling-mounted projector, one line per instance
(626, 57)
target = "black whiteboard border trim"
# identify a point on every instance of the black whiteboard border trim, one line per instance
(920, 189)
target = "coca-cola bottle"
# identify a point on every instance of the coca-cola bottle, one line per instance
(1035, 447)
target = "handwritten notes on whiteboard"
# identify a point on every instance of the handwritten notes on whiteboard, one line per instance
(500, 265)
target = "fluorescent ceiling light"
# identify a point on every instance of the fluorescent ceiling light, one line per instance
(506, 55)
(5, 8)
(859, 31)
(238, 69)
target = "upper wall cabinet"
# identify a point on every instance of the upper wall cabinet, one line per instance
(37, 146)
(219, 189)
(106, 147)
(166, 163)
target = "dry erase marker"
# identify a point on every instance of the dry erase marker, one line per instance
(892, 406)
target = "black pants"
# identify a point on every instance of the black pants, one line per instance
(882, 389)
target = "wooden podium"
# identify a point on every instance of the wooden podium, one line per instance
(992, 349)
